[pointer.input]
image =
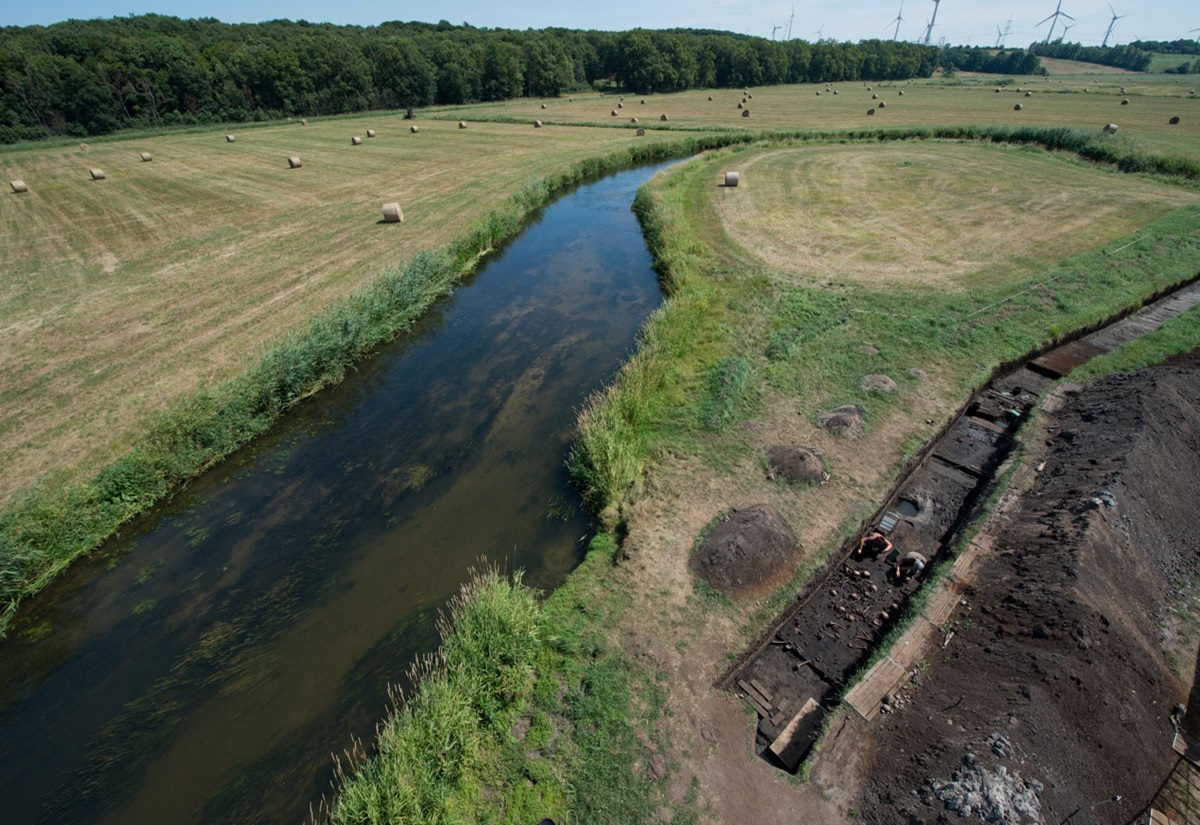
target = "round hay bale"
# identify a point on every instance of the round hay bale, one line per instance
(745, 550)
(83, 147)
(818, 93)
(230, 138)
(835, 91)
(570, 100)
(537, 124)
(875, 97)
(392, 213)
(641, 132)
(621, 105)
(741, 105)
(877, 382)
(294, 162)
(1122, 90)
(633, 120)
(18, 186)
(868, 88)
(997, 90)
(303, 121)
(710, 97)
(355, 141)
(1029, 94)
(870, 111)
(848, 421)
(749, 95)
(796, 464)
(613, 112)
(732, 178)
(1018, 107)
(543, 105)
(414, 129)
(146, 157)
(1110, 129)
(745, 113)
(883, 104)
(743, 100)
(643, 101)
(901, 93)
(462, 124)
(663, 118)
(97, 174)
(370, 133)
(1174, 121)
(1125, 101)
(1019, 90)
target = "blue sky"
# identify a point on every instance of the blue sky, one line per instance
(958, 21)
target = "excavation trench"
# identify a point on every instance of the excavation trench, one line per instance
(794, 673)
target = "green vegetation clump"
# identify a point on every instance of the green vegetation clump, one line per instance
(524, 712)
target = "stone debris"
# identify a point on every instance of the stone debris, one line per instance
(993, 796)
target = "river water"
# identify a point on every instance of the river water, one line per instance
(203, 666)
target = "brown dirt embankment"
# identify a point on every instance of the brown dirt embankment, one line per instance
(1069, 665)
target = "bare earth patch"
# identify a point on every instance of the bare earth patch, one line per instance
(745, 550)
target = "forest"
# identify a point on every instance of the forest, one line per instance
(82, 78)
(1121, 57)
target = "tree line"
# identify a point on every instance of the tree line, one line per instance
(92, 77)
(990, 61)
(1122, 57)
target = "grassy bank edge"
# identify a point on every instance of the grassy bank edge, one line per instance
(38, 540)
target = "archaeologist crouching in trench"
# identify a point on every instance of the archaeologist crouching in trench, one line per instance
(910, 564)
(873, 544)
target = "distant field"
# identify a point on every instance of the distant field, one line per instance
(119, 295)
(1058, 101)
(123, 294)
(1160, 62)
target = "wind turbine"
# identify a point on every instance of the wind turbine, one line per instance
(999, 37)
(1111, 23)
(929, 28)
(1066, 29)
(774, 29)
(1058, 12)
(1197, 36)
(791, 17)
(820, 33)
(899, 19)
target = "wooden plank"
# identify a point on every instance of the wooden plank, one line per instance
(751, 695)
(941, 604)
(883, 678)
(917, 643)
(1159, 818)
(794, 740)
(766, 694)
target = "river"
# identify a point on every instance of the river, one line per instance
(203, 665)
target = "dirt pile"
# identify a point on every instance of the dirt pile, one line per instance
(847, 421)
(746, 549)
(1061, 656)
(796, 464)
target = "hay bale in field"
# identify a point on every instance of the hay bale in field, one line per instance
(741, 106)
(83, 147)
(1110, 129)
(370, 133)
(230, 138)
(570, 100)
(392, 213)
(835, 91)
(1174, 121)
(745, 113)
(641, 132)
(997, 90)
(663, 118)
(294, 162)
(1018, 107)
(146, 157)
(620, 105)
(901, 93)
(875, 97)
(743, 100)
(303, 121)
(710, 97)
(355, 141)
(462, 124)
(1122, 90)
(633, 120)
(537, 124)
(1029, 94)
(749, 95)
(1125, 101)
(643, 101)
(414, 129)
(882, 104)
(18, 186)
(732, 178)
(543, 105)
(613, 113)
(1019, 90)
(818, 93)
(97, 174)
(870, 111)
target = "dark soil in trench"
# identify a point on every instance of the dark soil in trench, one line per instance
(1058, 673)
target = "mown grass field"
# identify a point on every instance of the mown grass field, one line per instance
(121, 295)
(966, 100)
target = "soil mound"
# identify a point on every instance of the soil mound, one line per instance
(847, 421)
(878, 382)
(745, 550)
(796, 464)
(1064, 649)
